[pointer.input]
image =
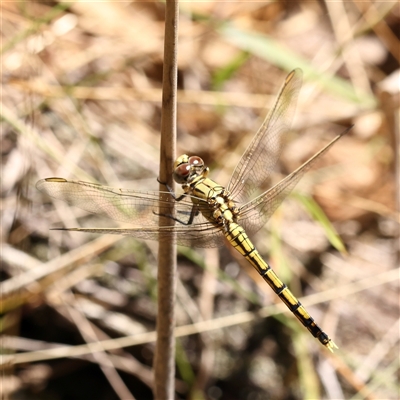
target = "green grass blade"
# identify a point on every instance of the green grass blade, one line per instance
(318, 215)
(223, 74)
(281, 56)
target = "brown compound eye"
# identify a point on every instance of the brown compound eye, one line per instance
(196, 161)
(181, 173)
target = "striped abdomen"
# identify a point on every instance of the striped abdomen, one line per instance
(240, 241)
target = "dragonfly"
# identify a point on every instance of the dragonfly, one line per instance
(208, 214)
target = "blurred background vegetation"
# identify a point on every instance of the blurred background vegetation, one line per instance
(81, 99)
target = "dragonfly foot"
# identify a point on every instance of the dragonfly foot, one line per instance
(169, 188)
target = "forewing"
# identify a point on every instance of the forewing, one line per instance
(252, 172)
(256, 213)
(141, 209)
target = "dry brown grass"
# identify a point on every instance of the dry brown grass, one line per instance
(81, 99)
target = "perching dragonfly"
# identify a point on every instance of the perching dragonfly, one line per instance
(207, 213)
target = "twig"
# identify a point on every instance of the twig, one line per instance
(19, 289)
(164, 361)
(89, 335)
(204, 326)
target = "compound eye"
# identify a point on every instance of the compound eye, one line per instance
(196, 161)
(181, 173)
(183, 159)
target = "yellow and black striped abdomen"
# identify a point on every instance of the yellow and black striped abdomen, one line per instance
(240, 241)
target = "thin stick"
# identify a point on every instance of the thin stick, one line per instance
(227, 321)
(164, 360)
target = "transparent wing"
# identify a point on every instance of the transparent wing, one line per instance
(252, 172)
(201, 235)
(256, 213)
(141, 209)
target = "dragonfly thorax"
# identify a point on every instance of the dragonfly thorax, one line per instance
(187, 169)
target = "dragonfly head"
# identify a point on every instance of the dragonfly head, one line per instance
(188, 168)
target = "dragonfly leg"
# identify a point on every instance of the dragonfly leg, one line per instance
(193, 214)
(171, 192)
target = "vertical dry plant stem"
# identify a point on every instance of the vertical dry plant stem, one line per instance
(164, 360)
